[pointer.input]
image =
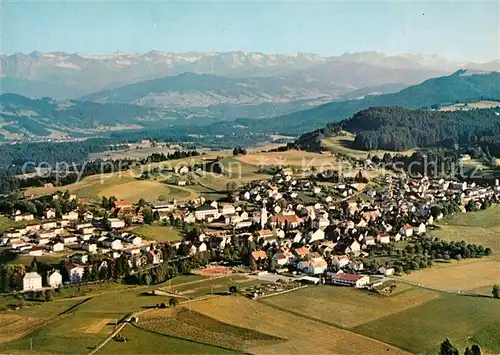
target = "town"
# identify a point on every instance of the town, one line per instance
(304, 228)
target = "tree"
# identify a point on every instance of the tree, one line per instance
(496, 291)
(34, 265)
(233, 289)
(49, 295)
(447, 348)
(172, 302)
(147, 216)
(475, 350)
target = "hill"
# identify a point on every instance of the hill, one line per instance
(22, 117)
(460, 86)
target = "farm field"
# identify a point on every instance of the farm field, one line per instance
(344, 145)
(185, 323)
(292, 158)
(341, 306)
(265, 319)
(158, 233)
(463, 275)
(141, 341)
(146, 189)
(471, 105)
(464, 320)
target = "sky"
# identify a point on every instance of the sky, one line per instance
(455, 30)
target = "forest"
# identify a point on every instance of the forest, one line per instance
(399, 129)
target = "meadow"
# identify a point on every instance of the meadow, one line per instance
(340, 306)
(158, 233)
(300, 334)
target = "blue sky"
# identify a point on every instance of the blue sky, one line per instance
(456, 30)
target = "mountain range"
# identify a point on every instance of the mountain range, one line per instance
(24, 118)
(64, 75)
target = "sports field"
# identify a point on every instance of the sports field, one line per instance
(158, 233)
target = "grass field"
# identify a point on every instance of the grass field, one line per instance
(158, 233)
(341, 306)
(6, 223)
(471, 105)
(300, 334)
(185, 323)
(344, 145)
(464, 275)
(146, 189)
(464, 320)
(141, 341)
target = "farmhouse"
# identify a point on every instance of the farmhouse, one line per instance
(32, 281)
(75, 272)
(54, 279)
(115, 223)
(355, 280)
(313, 267)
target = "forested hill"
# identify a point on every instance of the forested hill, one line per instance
(396, 128)
(460, 86)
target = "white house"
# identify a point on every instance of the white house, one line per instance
(369, 240)
(70, 216)
(90, 247)
(316, 235)
(383, 238)
(386, 270)
(406, 230)
(421, 229)
(355, 280)
(205, 211)
(50, 213)
(114, 244)
(313, 267)
(23, 217)
(115, 223)
(32, 281)
(75, 272)
(340, 261)
(355, 247)
(54, 279)
(56, 246)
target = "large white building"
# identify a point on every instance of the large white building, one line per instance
(32, 281)
(54, 279)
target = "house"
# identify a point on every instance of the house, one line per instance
(75, 272)
(69, 239)
(301, 252)
(355, 247)
(154, 256)
(36, 251)
(205, 211)
(226, 208)
(55, 246)
(343, 279)
(383, 238)
(316, 235)
(202, 248)
(406, 230)
(90, 247)
(313, 267)
(122, 204)
(114, 244)
(421, 229)
(70, 216)
(115, 223)
(340, 261)
(369, 240)
(23, 217)
(163, 206)
(257, 256)
(292, 221)
(282, 259)
(386, 270)
(54, 279)
(50, 213)
(32, 281)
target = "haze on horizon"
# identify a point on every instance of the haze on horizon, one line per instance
(454, 30)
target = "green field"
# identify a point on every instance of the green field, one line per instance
(413, 319)
(158, 233)
(6, 223)
(464, 320)
(141, 341)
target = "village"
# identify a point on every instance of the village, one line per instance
(302, 228)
